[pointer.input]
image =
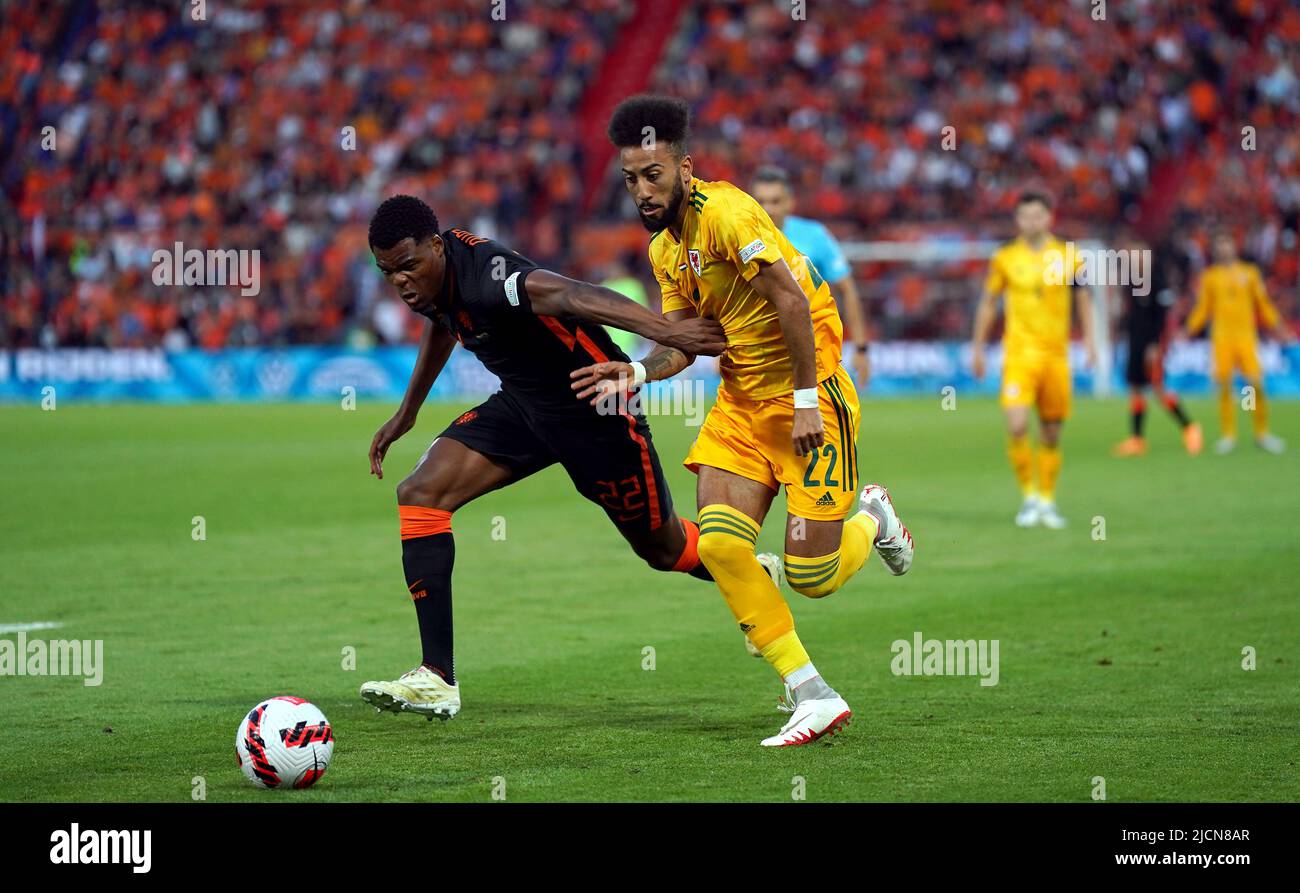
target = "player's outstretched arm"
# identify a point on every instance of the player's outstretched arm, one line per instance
(776, 284)
(554, 295)
(599, 380)
(435, 347)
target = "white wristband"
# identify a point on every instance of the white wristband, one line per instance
(638, 373)
(805, 398)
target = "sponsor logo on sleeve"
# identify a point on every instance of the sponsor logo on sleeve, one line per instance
(748, 252)
(512, 289)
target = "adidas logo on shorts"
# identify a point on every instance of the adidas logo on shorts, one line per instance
(827, 500)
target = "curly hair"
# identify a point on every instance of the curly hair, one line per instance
(668, 117)
(401, 217)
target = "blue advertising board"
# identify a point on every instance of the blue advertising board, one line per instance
(324, 373)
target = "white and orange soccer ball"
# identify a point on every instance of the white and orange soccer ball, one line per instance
(284, 742)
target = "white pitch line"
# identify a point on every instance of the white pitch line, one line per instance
(28, 627)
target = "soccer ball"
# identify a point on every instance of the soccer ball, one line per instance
(284, 742)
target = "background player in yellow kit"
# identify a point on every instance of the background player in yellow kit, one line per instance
(1036, 360)
(786, 413)
(1230, 294)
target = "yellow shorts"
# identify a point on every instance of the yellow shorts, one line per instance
(1238, 355)
(751, 438)
(1041, 381)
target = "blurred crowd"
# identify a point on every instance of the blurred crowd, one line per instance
(275, 126)
(895, 114)
(279, 125)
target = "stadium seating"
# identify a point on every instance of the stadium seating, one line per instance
(1135, 121)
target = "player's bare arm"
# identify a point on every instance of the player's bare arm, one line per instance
(597, 381)
(554, 295)
(846, 297)
(985, 312)
(435, 347)
(776, 284)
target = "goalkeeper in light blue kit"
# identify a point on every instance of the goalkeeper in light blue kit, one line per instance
(813, 240)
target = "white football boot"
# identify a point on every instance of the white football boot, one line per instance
(893, 539)
(812, 719)
(1225, 445)
(1030, 511)
(772, 564)
(1049, 517)
(1271, 443)
(420, 691)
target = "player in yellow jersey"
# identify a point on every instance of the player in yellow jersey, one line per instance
(1036, 361)
(1230, 294)
(786, 412)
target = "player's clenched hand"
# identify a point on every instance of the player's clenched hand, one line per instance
(977, 363)
(601, 380)
(808, 433)
(696, 336)
(384, 438)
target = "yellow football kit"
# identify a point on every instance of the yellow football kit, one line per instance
(725, 236)
(1228, 298)
(1035, 357)
(1036, 362)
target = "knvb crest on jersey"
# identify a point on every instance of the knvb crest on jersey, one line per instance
(693, 255)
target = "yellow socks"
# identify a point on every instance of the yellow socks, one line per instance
(1021, 454)
(726, 548)
(1227, 411)
(786, 654)
(820, 576)
(1049, 467)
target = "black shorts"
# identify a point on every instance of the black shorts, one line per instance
(1140, 373)
(611, 459)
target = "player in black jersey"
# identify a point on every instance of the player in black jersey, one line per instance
(1146, 322)
(530, 327)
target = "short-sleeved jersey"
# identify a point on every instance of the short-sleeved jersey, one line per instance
(489, 312)
(1228, 298)
(1037, 296)
(726, 237)
(816, 243)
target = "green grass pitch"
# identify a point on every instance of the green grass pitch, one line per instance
(1119, 657)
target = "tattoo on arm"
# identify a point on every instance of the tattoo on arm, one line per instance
(664, 362)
